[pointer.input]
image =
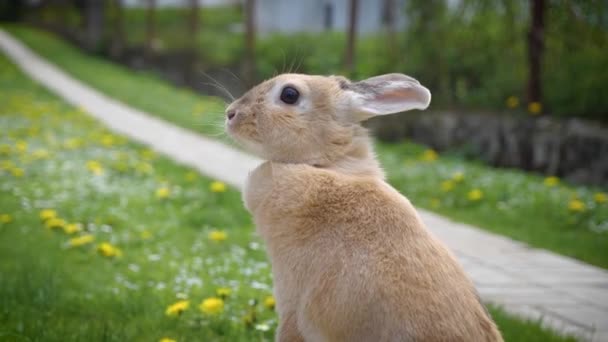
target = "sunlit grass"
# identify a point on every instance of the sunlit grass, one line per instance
(102, 239)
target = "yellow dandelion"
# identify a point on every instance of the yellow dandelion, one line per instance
(458, 177)
(21, 146)
(535, 108)
(6, 165)
(600, 197)
(81, 240)
(475, 195)
(144, 167)
(551, 181)
(55, 223)
(163, 192)
(108, 250)
(191, 176)
(217, 186)
(269, 302)
(223, 292)
(47, 214)
(17, 172)
(107, 140)
(447, 185)
(577, 206)
(217, 235)
(177, 308)
(167, 339)
(6, 218)
(212, 306)
(72, 143)
(95, 167)
(72, 228)
(145, 235)
(41, 154)
(5, 149)
(429, 155)
(512, 102)
(148, 154)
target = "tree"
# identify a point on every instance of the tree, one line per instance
(535, 49)
(194, 22)
(349, 55)
(118, 28)
(94, 23)
(150, 25)
(249, 62)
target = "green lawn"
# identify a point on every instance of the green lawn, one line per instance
(99, 236)
(571, 220)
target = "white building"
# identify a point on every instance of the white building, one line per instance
(291, 16)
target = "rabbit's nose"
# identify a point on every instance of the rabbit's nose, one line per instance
(231, 114)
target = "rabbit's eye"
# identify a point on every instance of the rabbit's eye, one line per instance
(290, 95)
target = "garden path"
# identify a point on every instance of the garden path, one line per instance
(568, 295)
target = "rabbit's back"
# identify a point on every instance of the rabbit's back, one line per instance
(354, 259)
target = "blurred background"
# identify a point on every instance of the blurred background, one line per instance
(515, 83)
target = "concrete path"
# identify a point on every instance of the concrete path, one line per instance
(568, 295)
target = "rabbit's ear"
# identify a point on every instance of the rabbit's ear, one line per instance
(387, 94)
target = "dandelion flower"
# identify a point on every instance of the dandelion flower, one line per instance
(5, 149)
(95, 167)
(108, 250)
(177, 308)
(17, 172)
(577, 206)
(72, 143)
(148, 154)
(223, 292)
(81, 240)
(217, 186)
(144, 168)
(163, 192)
(145, 235)
(47, 214)
(6, 165)
(535, 108)
(217, 235)
(458, 177)
(167, 339)
(54, 223)
(41, 154)
(107, 140)
(21, 146)
(269, 302)
(600, 197)
(475, 195)
(212, 306)
(429, 155)
(72, 228)
(551, 181)
(6, 218)
(447, 185)
(512, 102)
(191, 176)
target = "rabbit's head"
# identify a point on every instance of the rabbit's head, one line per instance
(295, 118)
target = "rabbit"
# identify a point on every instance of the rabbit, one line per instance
(351, 259)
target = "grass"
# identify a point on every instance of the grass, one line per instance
(571, 220)
(164, 225)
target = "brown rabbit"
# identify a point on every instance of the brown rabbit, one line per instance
(351, 259)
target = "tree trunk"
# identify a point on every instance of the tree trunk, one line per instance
(535, 49)
(190, 75)
(150, 26)
(118, 34)
(249, 65)
(391, 28)
(349, 56)
(94, 22)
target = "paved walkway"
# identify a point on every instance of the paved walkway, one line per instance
(566, 294)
